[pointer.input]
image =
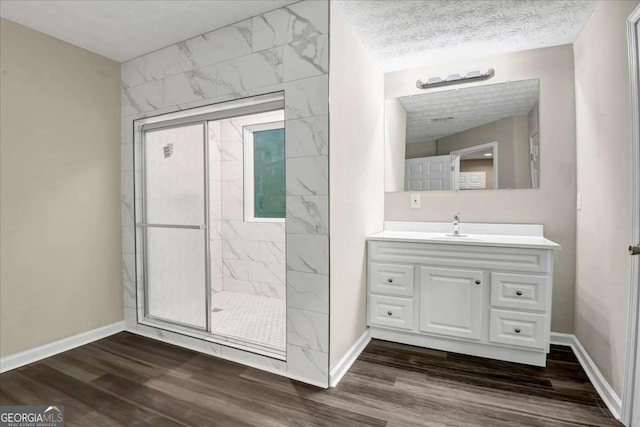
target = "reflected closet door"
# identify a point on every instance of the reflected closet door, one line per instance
(175, 225)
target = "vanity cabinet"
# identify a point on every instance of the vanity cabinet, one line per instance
(490, 301)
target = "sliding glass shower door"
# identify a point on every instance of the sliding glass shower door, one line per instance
(175, 225)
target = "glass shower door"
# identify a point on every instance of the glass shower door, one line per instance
(175, 225)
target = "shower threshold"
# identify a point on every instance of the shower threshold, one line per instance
(251, 323)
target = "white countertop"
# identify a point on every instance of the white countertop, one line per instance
(473, 234)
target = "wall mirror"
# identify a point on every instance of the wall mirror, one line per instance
(474, 138)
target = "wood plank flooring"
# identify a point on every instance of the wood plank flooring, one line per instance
(130, 380)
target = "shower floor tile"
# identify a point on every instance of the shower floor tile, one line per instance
(251, 318)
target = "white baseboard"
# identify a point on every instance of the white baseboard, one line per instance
(347, 360)
(606, 392)
(25, 357)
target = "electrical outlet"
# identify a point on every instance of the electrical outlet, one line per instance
(415, 200)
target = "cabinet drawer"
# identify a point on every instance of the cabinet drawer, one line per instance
(455, 255)
(518, 329)
(391, 279)
(390, 311)
(519, 291)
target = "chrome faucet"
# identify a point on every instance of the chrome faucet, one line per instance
(456, 224)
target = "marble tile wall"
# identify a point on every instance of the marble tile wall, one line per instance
(252, 257)
(282, 50)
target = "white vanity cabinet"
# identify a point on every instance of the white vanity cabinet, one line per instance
(487, 295)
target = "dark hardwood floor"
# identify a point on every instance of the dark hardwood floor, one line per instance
(130, 380)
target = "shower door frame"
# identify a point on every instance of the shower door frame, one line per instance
(263, 103)
(205, 227)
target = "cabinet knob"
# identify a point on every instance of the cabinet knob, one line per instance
(390, 280)
(517, 330)
(519, 293)
(478, 282)
(389, 313)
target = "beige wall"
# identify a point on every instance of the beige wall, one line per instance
(395, 145)
(479, 165)
(553, 204)
(60, 189)
(501, 131)
(603, 116)
(421, 149)
(356, 165)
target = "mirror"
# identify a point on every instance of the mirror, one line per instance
(475, 138)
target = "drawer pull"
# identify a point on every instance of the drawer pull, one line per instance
(517, 330)
(390, 313)
(478, 282)
(519, 293)
(390, 280)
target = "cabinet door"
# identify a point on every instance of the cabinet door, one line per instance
(451, 302)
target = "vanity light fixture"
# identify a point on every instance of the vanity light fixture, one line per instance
(454, 79)
(488, 154)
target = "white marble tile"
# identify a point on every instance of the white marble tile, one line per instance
(128, 240)
(232, 210)
(220, 45)
(232, 170)
(308, 329)
(143, 98)
(132, 72)
(267, 272)
(241, 249)
(199, 83)
(272, 231)
(129, 268)
(217, 285)
(126, 158)
(215, 269)
(303, 363)
(307, 137)
(273, 252)
(253, 359)
(126, 212)
(306, 58)
(231, 151)
(308, 253)
(232, 190)
(230, 130)
(307, 97)
(215, 190)
(308, 291)
(298, 21)
(236, 269)
(308, 214)
(126, 184)
(259, 69)
(241, 286)
(130, 318)
(307, 176)
(273, 291)
(168, 61)
(215, 211)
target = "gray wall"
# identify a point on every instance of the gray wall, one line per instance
(60, 185)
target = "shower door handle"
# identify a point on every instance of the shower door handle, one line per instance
(191, 227)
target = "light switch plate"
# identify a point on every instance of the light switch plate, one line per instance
(415, 200)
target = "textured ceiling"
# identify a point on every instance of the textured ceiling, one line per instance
(122, 30)
(406, 34)
(459, 110)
